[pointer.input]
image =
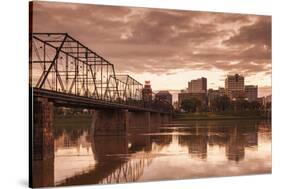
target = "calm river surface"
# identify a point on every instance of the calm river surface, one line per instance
(181, 150)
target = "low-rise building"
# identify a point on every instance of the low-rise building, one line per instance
(198, 85)
(267, 101)
(214, 93)
(164, 96)
(251, 92)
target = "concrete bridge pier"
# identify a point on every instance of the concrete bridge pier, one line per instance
(155, 120)
(43, 126)
(42, 150)
(42, 173)
(166, 118)
(110, 122)
(139, 121)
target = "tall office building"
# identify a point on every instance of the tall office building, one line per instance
(198, 85)
(234, 86)
(251, 92)
(197, 88)
(147, 91)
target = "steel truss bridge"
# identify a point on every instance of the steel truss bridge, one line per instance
(63, 69)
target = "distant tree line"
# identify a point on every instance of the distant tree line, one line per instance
(191, 105)
(223, 104)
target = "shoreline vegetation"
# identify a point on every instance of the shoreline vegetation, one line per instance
(85, 120)
(220, 116)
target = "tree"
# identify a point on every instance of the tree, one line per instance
(191, 105)
(241, 105)
(255, 105)
(187, 105)
(221, 103)
(268, 105)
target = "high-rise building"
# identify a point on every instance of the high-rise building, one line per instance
(198, 85)
(147, 91)
(165, 96)
(251, 92)
(234, 86)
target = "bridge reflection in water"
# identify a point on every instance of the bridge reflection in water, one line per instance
(113, 159)
(174, 151)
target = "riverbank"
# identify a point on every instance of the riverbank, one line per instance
(218, 116)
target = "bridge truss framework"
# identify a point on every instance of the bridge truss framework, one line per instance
(60, 63)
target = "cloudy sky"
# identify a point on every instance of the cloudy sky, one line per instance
(167, 47)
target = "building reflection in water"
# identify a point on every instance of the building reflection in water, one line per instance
(83, 159)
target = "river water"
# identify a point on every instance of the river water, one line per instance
(180, 150)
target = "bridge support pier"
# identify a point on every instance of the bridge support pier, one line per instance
(120, 122)
(42, 173)
(42, 150)
(109, 122)
(166, 118)
(42, 135)
(139, 121)
(155, 119)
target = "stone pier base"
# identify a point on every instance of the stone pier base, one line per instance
(139, 121)
(121, 122)
(42, 173)
(166, 118)
(109, 122)
(42, 139)
(155, 120)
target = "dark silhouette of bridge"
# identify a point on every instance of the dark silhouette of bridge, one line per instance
(66, 71)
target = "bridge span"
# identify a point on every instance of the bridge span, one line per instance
(66, 73)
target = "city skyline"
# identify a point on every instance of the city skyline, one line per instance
(175, 93)
(168, 47)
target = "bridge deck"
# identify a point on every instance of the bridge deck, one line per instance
(71, 100)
